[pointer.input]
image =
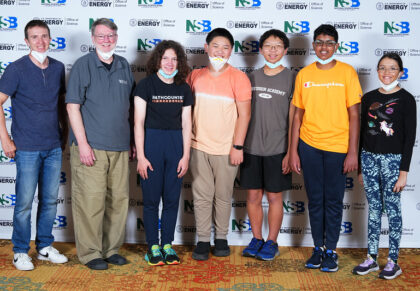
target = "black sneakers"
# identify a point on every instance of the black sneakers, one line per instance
(201, 251)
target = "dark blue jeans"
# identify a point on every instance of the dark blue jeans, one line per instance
(325, 185)
(164, 150)
(34, 168)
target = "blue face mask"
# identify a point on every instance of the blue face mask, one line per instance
(324, 62)
(273, 66)
(166, 76)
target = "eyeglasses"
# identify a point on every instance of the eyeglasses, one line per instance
(102, 37)
(328, 43)
(393, 70)
(268, 47)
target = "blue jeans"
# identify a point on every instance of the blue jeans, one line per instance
(34, 168)
(325, 185)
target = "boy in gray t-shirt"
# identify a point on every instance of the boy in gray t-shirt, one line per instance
(265, 166)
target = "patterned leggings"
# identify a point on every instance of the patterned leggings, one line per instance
(380, 173)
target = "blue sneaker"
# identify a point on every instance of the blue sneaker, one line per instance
(268, 251)
(253, 248)
(330, 261)
(315, 260)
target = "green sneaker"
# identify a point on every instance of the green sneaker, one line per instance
(154, 256)
(169, 255)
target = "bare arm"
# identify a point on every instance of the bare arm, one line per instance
(285, 164)
(186, 138)
(294, 159)
(7, 143)
(139, 116)
(241, 127)
(87, 156)
(351, 161)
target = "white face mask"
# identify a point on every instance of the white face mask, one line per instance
(217, 63)
(105, 55)
(275, 65)
(40, 57)
(390, 86)
(324, 62)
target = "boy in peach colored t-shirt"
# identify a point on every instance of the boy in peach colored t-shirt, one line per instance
(220, 121)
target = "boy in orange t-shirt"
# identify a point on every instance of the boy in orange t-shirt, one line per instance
(221, 115)
(325, 136)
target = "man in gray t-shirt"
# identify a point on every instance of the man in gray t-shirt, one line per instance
(265, 166)
(98, 102)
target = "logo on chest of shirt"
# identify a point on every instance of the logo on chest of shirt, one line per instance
(124, 82)
(328, 85)
(167, 99)
(264, 92)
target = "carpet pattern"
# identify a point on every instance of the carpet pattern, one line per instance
(233, 273)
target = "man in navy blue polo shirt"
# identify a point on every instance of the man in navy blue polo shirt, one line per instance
(98, 102)
(36, 86)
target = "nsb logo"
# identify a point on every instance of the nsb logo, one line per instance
(63, 178)
(296, 27)
(7, 200)
(404, 76)
(150, 2)
(7, 112)
(241, 225)
(53, 1)
(198, 25)
(346, 227)
(247, 3)
(188, 206)
(3, 66)
(92, 20)
(349, 183)
(297, 207)
(58, 43)
(8, 22)
(346, 3)
(147, 44)
(396, 28)
(348, 47)
(4, 159)
(60, 221)
(246, 47)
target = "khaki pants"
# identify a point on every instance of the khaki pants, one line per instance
(212, 186)
(99, 203)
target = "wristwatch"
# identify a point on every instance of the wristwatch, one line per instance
(238, 147)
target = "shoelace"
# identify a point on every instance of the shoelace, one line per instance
(389, 266)
(169, 250)
(156, 252)
(367, 262)
(271, 245)
(254, 242)
(22, 256)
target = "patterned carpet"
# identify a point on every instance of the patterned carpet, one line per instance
(233, 273)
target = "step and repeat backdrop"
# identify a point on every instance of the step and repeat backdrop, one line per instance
(367, 30)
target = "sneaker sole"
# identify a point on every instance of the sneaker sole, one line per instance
(365, 272)
(200, 257)
(221, 253)
(172, 263)
(248, 255)
(267, 258)
(311, 266)
(44, 258)
(328, 270)
(23, 269)
(160, 263)
(399, 272)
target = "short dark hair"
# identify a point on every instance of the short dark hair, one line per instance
(153, 63)
(36, 22)
(393, 56)
(276, 33)
(326, 29)
(219, 32)
(104, 21)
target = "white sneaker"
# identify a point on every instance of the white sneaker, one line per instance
(22, 262)
(51, 254)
